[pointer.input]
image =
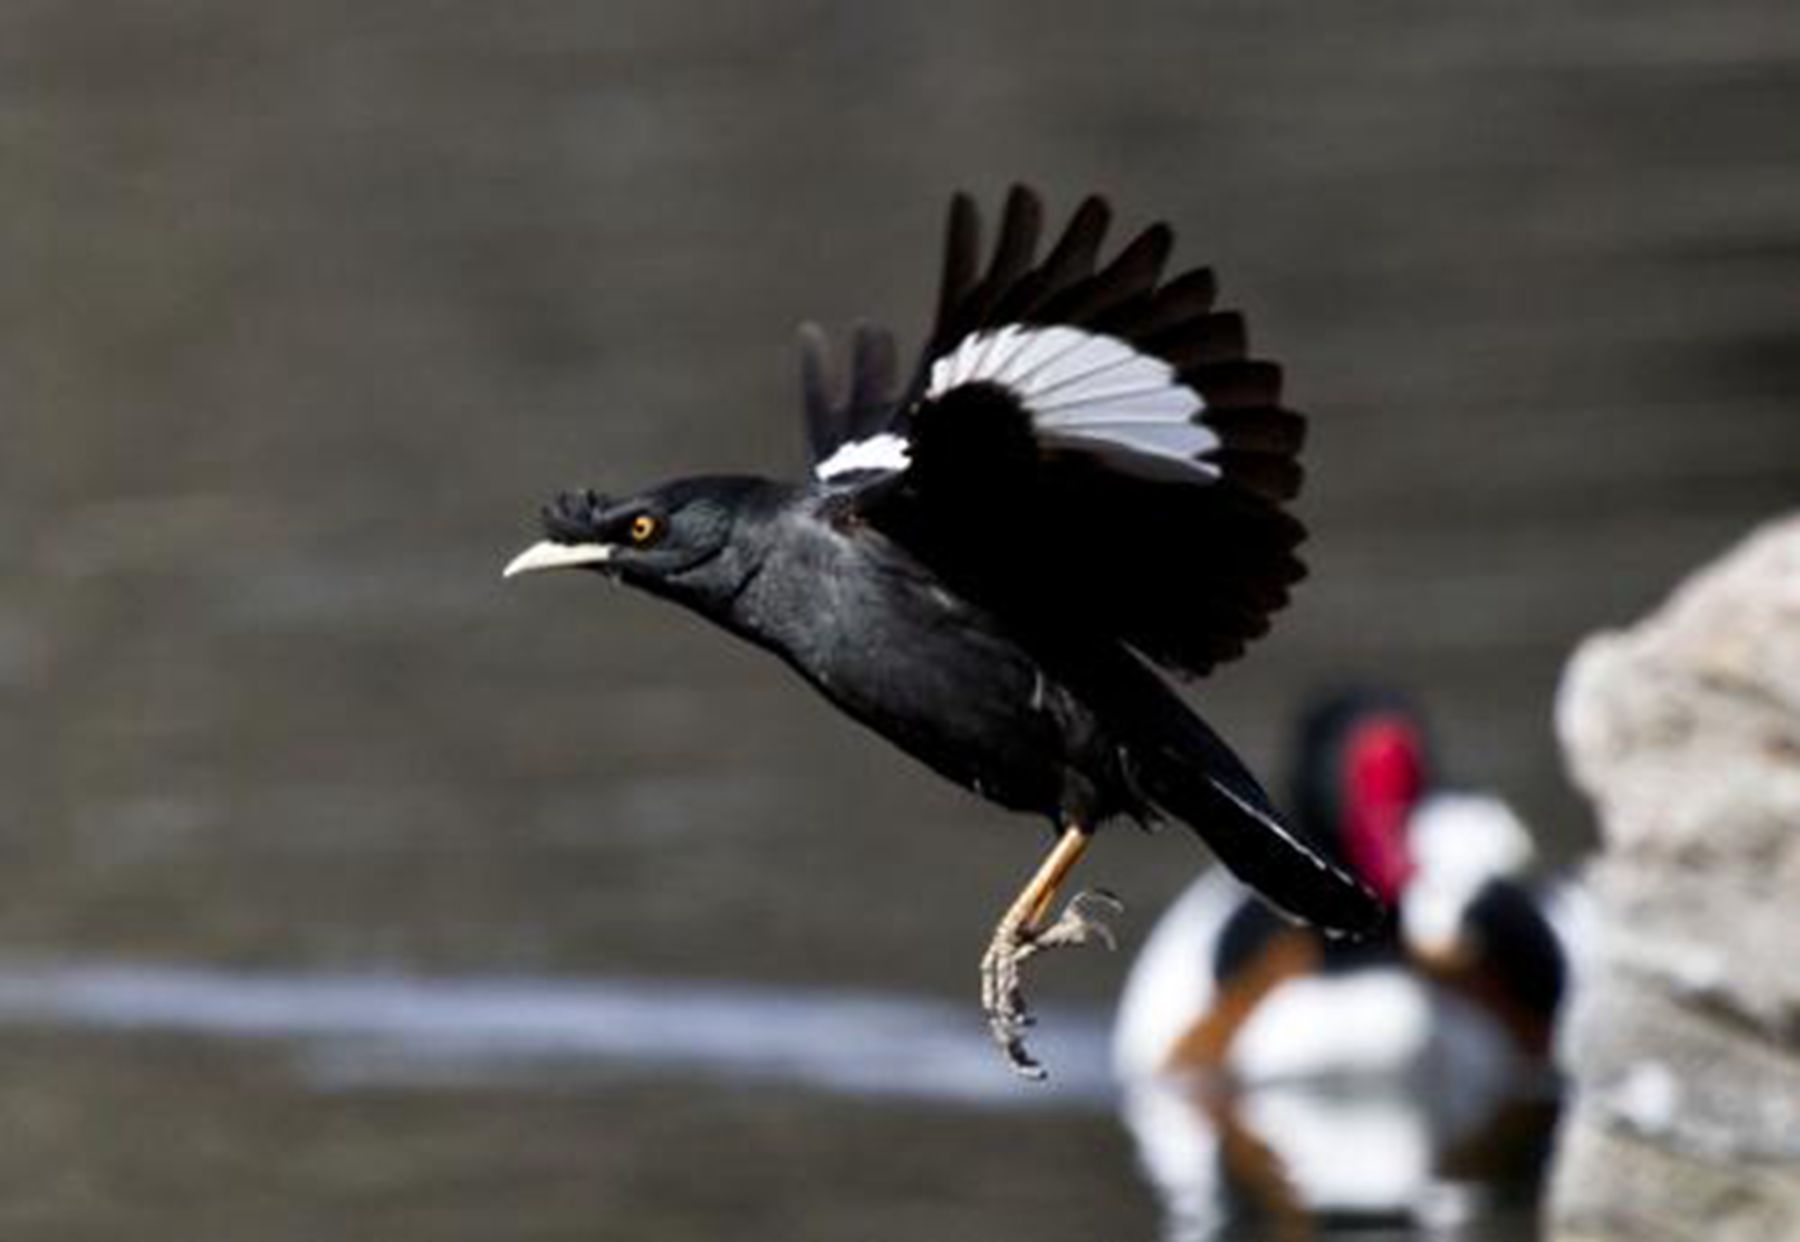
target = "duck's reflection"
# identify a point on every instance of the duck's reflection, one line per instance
(1276, 1077)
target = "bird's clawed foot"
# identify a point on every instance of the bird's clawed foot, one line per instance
(1003, 995)
(1082, 921)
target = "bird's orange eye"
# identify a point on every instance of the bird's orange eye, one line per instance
(643, 528)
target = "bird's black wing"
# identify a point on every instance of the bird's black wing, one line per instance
(1086, 437)
(855, 418)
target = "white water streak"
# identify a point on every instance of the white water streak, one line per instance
(380, 1029)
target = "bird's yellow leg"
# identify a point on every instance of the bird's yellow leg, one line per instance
(1021, 933)
(1033, 901)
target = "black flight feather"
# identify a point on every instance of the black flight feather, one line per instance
(1070, 507)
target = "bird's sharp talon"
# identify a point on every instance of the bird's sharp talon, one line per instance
(1097, 898)
(1023, 1063)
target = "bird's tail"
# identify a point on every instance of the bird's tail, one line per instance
(1187, 770)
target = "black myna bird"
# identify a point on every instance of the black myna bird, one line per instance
(1082, 477)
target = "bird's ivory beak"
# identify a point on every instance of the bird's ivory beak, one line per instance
(551, 555)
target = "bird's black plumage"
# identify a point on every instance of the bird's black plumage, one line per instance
(1084, 476)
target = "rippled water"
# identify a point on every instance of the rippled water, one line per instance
(305, 306)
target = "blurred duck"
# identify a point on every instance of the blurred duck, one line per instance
(1271, 1072)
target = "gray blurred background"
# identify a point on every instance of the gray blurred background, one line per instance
(304, 308)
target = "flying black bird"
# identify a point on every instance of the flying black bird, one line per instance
(1083, 477)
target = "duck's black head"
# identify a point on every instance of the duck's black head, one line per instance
(1364, 765)
(684, 539)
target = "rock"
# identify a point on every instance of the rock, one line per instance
(1684, 1041)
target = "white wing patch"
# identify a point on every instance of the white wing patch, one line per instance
(1086, 390)
(886, 451)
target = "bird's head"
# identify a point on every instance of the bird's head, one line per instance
(1364, 769)
(674, 539)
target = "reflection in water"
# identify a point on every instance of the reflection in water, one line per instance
(370, 1030)
(1427, 1152)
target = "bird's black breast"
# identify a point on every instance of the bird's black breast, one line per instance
(885, 640)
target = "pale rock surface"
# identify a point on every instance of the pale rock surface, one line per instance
(1685, 1036)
